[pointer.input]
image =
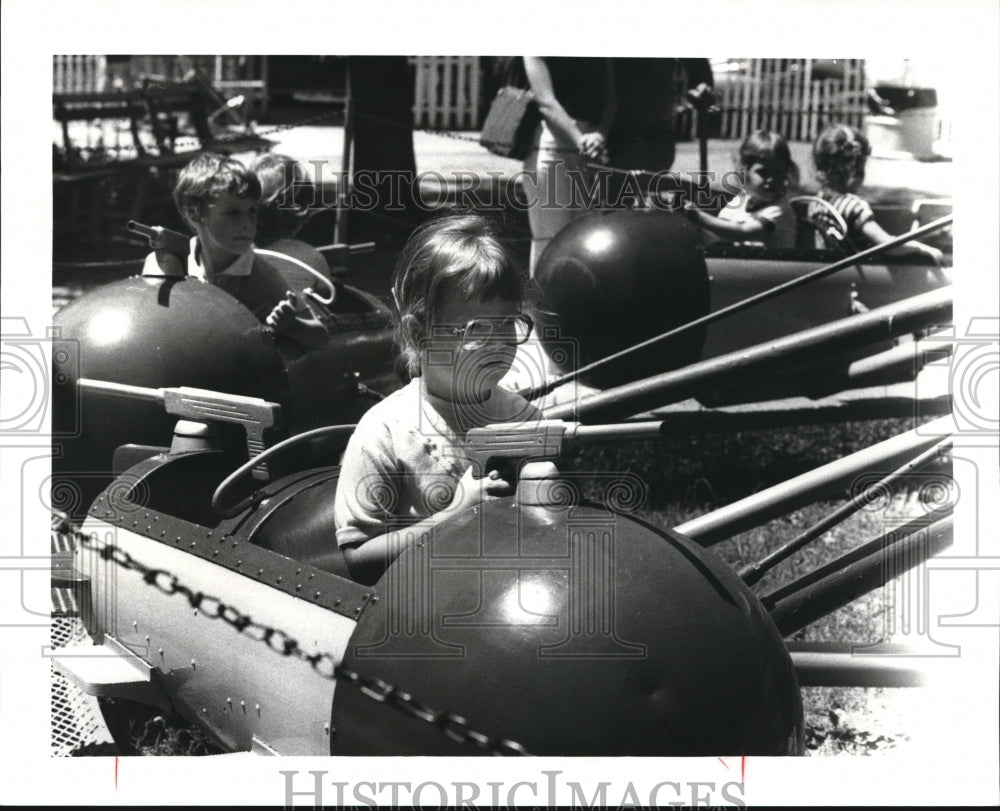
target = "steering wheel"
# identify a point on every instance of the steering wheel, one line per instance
(833, 236)
(324, 300)
(274, 450)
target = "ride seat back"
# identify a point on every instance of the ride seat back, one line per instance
(301, 526)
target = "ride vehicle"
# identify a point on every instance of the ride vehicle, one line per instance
(489, 638)
(538, 624)
(170, 330)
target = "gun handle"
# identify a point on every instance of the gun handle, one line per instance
(505, 466)
(171, 265)
(257, 443)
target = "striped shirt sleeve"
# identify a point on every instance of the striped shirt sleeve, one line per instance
(855, 211)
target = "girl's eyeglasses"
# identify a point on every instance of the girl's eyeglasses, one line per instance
(509, 329)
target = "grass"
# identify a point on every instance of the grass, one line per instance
(138, 729)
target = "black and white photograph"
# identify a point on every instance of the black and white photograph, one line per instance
(377, 397)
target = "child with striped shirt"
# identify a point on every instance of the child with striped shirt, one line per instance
(840, 154)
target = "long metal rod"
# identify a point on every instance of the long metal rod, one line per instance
(344, 181)
(769, 601)
(836, 373)
(890, 366)
(801, 349)
(753, 572)
(809, 487)
(845, 668)
(857, 579)
(541, 389)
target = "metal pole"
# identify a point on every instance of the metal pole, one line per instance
(831, 478)
(753, 573)
(789, 590)
(344, 182)
(802, 348)
(889, 366)
(839, 666)
(839, 372)
(544, 388)
(850, 582)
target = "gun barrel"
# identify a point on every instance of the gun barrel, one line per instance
(138, 392)
(618, 431)
(150, 231)
(503, 444)
(337, 248)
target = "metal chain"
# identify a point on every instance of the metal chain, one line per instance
(452, 726)
(235, 137)
(448, 134)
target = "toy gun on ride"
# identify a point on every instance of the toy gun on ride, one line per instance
(171, 247)
(257, 417)
(505, 447)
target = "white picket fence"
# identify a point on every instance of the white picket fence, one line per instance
(781, 95)
(447, 93)
(79, 74)
(776, 94)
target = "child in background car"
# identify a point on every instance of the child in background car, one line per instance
(840, 154)
(286, 192)
(217, 198)
(759, 214)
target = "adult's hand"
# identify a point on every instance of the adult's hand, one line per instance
(593, 147)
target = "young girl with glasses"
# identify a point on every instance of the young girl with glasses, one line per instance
(458, 292)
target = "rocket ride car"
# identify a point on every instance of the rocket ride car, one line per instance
(172, 330)
(537, 624)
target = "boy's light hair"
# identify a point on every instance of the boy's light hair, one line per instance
(207, 178)
(463, 251)
(286, 194)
